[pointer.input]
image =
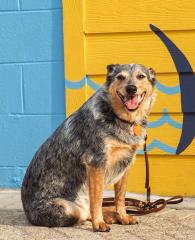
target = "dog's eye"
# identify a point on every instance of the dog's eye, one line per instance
(120, 77)
(141, 76)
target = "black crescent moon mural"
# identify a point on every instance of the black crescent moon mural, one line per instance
(187, 86)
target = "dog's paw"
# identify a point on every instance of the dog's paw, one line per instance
(101, 227)
(110, 217)
(126, 219)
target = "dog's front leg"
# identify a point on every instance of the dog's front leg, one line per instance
(120, 191)
(96, 188)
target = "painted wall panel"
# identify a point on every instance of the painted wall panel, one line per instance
(112, 32)
(129, 16)
(142, 48)
(170, 175)
(74, 54)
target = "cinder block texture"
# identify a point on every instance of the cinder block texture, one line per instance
(40, 4)
(32, 101)
(43, 93)
(10, 89)
(9, 5)
(21, 135)
(31, 36)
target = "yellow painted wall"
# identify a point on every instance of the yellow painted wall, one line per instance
(101, 32)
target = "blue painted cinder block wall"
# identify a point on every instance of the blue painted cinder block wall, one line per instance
(31, 81)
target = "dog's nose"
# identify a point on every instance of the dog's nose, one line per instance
(131, 89)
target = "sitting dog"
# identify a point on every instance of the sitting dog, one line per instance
(91, 149)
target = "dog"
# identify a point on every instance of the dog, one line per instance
(91, 149)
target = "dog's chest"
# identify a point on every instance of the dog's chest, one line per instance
(118, 158)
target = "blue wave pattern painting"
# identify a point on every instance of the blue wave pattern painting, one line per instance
(158, 144)
(86, 80)
(167, 90)
(165, 118)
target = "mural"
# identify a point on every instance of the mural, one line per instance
(98, 33)
(187, 86)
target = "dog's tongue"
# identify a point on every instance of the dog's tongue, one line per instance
(132, 103)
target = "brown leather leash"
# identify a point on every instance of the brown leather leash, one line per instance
(138, 207)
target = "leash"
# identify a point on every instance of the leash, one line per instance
(138, 207)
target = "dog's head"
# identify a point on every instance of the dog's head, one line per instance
(130, 88)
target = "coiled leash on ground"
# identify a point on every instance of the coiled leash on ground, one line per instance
(138, 207)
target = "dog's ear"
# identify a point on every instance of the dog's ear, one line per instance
(111, 69)
(152, 76)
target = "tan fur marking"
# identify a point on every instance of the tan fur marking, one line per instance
(116, 151)
(137, 72)
(116, 102)
(96, 188)
(142, 85)
(123, 73)
(120, 191)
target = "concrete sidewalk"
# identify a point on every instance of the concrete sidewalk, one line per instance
(167, 224)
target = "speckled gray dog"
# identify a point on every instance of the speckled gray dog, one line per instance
(92, 148)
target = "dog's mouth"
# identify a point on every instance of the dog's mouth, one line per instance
(132, 102)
